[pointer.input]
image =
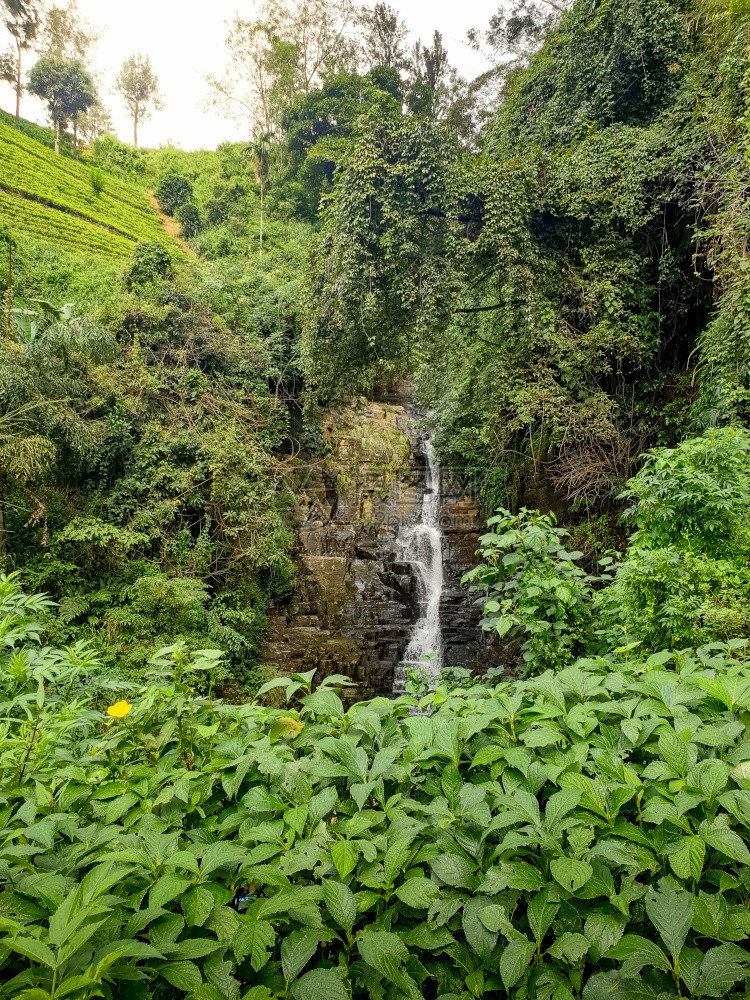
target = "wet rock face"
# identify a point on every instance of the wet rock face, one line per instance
(356, 599)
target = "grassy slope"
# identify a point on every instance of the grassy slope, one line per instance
(50, 198)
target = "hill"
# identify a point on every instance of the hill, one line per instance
(53, 198)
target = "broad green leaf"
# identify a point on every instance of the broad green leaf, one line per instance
(721, 968)
(571, 874)
(479, 936)
(344, 855)
(297, 949)
(254, 938)
(417, 892)
(340, 903)
(687, 860)
(540, 914)
(515, 960)
(636, 951)
(454, 870)
(671, 913)
(320, 984)
(222, 855)
(185, 976)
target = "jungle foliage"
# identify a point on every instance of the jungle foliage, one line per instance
(580, 833)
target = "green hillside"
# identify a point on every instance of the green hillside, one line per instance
(52, 198)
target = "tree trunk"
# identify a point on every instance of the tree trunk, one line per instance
(261, 216)
(3, 549)
(19, 85)
(75, 137)
(57, 137)
(9, 294)
(135, 130)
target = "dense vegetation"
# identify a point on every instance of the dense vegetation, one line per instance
(583, 832)
(556, 256)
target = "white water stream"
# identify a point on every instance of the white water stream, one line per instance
(423, 547)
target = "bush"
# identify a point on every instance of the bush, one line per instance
(98, 180)
(189, 219)
(579, 834)
(150, 262)
(173, 192)
(532, 589)
(685, 578)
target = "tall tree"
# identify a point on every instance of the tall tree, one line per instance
(434, 82)
(21, 18)
(282, 54)
(139, 87)
(67, 35)
(383, 37)
(67, 89)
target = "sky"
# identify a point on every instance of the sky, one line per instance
(185, 40)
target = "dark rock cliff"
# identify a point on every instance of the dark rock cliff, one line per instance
(356, 599)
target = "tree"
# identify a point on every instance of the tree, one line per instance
(66, 35)
(68, 90)
(434, 82)
(258, 152)
(284, 53)
(21, 19)
(384, 35)
(139, 87)
(95, 123)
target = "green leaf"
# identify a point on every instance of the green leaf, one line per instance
(515, 960)
(320, 984)
(454, 870)
(183, 976)
(479, 936)
(196, 905)
(726, 841)
(570, 946)
(603, 931)
(571, 874)
(297, 949)
(687, 860)
(254, 938)
(721, 968)
(418, 892)
(541, 913)
(637, 951)
(340, 903)
(168, 887)
(376, 946)
(222, 855)
(671, 913)
(37, 951)
(344, 855)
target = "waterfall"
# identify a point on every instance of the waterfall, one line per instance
(423, 548)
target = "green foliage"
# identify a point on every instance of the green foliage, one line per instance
(38, 133)
(385, 266)
(54, 199)
(97, 180)
(150, 262)
(583, 832)
(684, 579)
(189, 218)
(174, 191)
(532, 589)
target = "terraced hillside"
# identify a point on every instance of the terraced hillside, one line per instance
(51, 198)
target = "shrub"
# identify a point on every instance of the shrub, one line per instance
(189, 219)
(97, 180)
(531, 588)
(173, 192)
(578, 834)
(685, 578)
(150, 261)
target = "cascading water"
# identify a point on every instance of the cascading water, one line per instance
(423, 547)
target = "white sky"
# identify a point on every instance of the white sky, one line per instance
(185, 40)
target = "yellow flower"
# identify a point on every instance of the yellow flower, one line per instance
(120, 710)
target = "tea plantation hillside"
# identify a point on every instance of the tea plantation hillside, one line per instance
(61, 201)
